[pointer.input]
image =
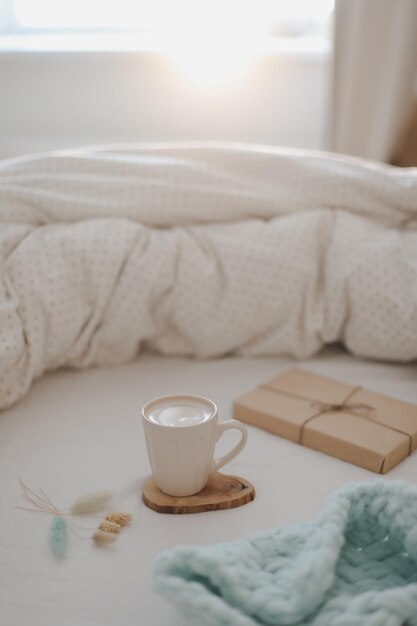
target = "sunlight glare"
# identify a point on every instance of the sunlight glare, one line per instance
(209, 41)
(208, 60)
(215, 42)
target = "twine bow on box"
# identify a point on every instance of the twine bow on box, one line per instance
(359, 409)
(352, 407)
(355, 408)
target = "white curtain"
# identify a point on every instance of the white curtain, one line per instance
(375, 66)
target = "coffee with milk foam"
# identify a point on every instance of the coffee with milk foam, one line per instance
(179, 415)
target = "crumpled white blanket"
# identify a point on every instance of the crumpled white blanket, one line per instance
(201, 249)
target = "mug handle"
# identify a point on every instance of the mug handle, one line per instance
(221, 427)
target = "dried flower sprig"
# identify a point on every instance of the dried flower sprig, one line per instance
(123, 519)
(105, 534)
(58, 536)
(58, 531)
(103, 538)
(85, 504)
(109, 529)
(90, 502)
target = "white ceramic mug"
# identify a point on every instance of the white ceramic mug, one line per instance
(181, 432)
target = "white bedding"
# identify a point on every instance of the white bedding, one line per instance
(201, 250)
(80, 431)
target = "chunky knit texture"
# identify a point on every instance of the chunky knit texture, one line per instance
(355, 566)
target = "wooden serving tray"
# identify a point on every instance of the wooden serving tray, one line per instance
(221, 492)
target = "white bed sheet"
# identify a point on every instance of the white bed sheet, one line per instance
(76, 432)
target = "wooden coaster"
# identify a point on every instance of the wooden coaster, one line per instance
(221, 492)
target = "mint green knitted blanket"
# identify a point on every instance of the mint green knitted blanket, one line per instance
(356, 565)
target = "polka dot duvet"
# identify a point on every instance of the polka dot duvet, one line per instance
(201, 249)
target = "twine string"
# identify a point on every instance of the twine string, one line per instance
(344, 405)
(351, 407)
(354, 408)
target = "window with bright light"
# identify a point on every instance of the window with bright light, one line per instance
(208, 38)
(269, 17)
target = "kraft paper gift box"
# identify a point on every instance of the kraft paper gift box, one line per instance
(351, 423)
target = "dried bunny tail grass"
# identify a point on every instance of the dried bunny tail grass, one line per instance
(110, 527)
(102, 538)
(58, 536)
(91, 502)
(59, 526)
(41, 502)
(123, 519)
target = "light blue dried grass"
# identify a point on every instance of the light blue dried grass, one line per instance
(58, 536)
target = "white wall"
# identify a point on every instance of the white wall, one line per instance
(62, 99)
